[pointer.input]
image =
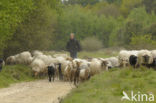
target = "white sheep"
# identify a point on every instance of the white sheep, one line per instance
(97, 65)
(124, 58)
(24, 58)
(84, 73)
(61, 55)
(38, 66)
(112, 62)
(37, 53)
(153, 52)
(67, 72)
(11, 60)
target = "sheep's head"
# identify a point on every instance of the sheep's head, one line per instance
(146, 59)
(69, 58)
(78, 64)
(104, 64)
(124, 62)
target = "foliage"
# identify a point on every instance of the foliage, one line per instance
(91, 44)
(142, 42)
(150, 5)
(108, 86)
(12, 13)
(35, 31)
(46, 24)
(135, 23)
(15, 73)
(128, 5)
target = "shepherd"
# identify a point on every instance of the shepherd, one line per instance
(73, 46)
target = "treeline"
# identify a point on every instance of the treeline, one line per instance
(46, 24)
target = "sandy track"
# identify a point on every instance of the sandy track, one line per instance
(35, 92)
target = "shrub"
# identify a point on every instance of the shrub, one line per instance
(142, 42)
(91, 44)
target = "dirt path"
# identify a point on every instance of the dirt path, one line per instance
(35, 92)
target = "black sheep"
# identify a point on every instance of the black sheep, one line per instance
(51, 72)
(60, 72)
(133, 60)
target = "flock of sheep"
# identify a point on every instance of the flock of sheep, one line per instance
(68, 69)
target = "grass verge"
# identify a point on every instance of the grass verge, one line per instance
(14, 74)
(107, 87)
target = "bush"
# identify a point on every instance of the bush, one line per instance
(91, 44)
(142, 42)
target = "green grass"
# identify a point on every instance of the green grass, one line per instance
(107, 87)
(14, 74)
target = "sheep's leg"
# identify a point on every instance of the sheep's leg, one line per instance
(74, 80)
(49, 78)
(53, 77)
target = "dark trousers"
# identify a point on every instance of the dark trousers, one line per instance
(73, 55)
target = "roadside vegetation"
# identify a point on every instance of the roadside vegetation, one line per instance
(14, 74)
(107, 87)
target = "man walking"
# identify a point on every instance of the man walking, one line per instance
(73, 46)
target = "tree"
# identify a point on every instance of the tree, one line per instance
(150, 5)
(12, 13)
(35, 32)
(128, 5)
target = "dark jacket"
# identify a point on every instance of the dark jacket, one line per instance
(73, 45)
